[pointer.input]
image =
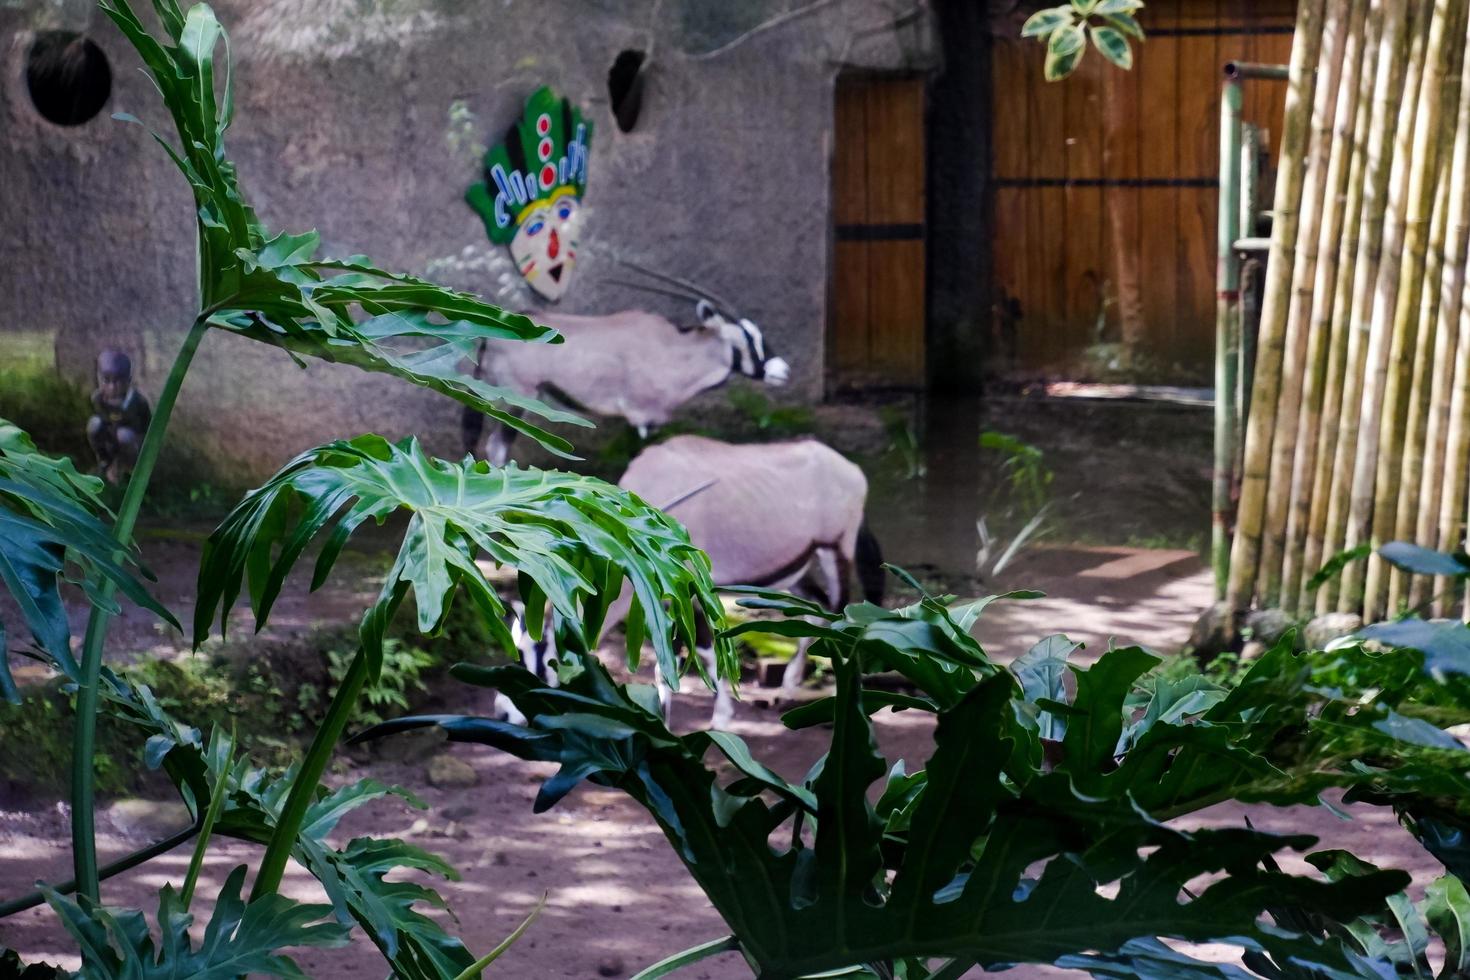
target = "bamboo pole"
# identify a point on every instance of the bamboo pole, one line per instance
(1393, 377)
(1378, 295)
(1454, 327)
(1422, 520)
(1227, 312)
(1389, 71)
(1336, 318)
(1250, 519)
(1411, 494)
(1336, 26)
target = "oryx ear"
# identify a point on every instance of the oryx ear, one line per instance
(705, 310)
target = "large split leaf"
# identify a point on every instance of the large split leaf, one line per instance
(275, 288)
(51, 524)
(981, 857)
(117, 944)
(573, 539)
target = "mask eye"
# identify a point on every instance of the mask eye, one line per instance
(534, 228)
(564, 212)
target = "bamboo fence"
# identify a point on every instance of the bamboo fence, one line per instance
(1359, 425)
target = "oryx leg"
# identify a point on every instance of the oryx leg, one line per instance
(831, 591)
(704, 648)
(497, 447)
(536, 656)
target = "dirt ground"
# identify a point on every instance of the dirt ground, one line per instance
(1131, 504)
(618, 899)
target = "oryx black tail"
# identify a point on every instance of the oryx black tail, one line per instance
(869, 561)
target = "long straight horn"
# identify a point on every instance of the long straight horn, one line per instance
(687, 494)
(659, 290)
(728, 308)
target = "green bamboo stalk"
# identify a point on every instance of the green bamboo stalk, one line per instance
(1443, 485)
(83, 826)
(1411, 473)
(1437, 470)
(1338, 322)
(1250, 517)
(1397, 93)
(1227, 311)
(1392, 376)
(1336, 26)
(1454, 322)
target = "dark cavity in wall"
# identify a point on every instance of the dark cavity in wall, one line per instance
(625, 86)
(68, 77)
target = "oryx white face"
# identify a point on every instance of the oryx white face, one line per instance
(545, 245)
(748, 346)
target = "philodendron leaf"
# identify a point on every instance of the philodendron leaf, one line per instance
(1444, 643)
(574, 539)
(1103, 7)
(979, 858)
(1333, 566)
(1041, 672)
(12, 968)
(117, 944)
(1425, 561)
(1447, 907)
(50, 516)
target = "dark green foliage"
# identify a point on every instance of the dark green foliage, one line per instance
(118, 945)
(994, 852)
(52, 410)
(573, 539)
(48, 530)
(772, 421)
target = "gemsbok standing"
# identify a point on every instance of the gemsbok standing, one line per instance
(786, 516)
(636, 365)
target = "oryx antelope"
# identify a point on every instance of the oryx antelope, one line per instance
(633, 364)
(787, 516)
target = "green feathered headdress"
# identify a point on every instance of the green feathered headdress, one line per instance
(543, 157)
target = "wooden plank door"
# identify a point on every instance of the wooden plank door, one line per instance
(1106, 188)
(876, 313)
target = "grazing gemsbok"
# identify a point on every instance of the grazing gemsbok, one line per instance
(786, 515)
(633, 364)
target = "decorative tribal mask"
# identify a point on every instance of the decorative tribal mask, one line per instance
(531, 195)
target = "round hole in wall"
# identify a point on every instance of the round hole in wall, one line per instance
(625, 86)
(68, 77)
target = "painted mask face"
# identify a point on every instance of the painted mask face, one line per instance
(532, 193)
(545, 245)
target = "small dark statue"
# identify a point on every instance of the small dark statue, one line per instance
(120, 417)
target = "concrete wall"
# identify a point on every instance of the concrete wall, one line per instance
(342, 124)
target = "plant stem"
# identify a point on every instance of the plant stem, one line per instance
(125, 863)
(288, 825)
(206, 827)
(476, 968)
(691, 955)
(83, 829)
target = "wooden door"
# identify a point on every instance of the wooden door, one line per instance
(1106, 186)
(876, 312)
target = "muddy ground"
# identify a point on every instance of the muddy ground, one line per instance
(1129, 511)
